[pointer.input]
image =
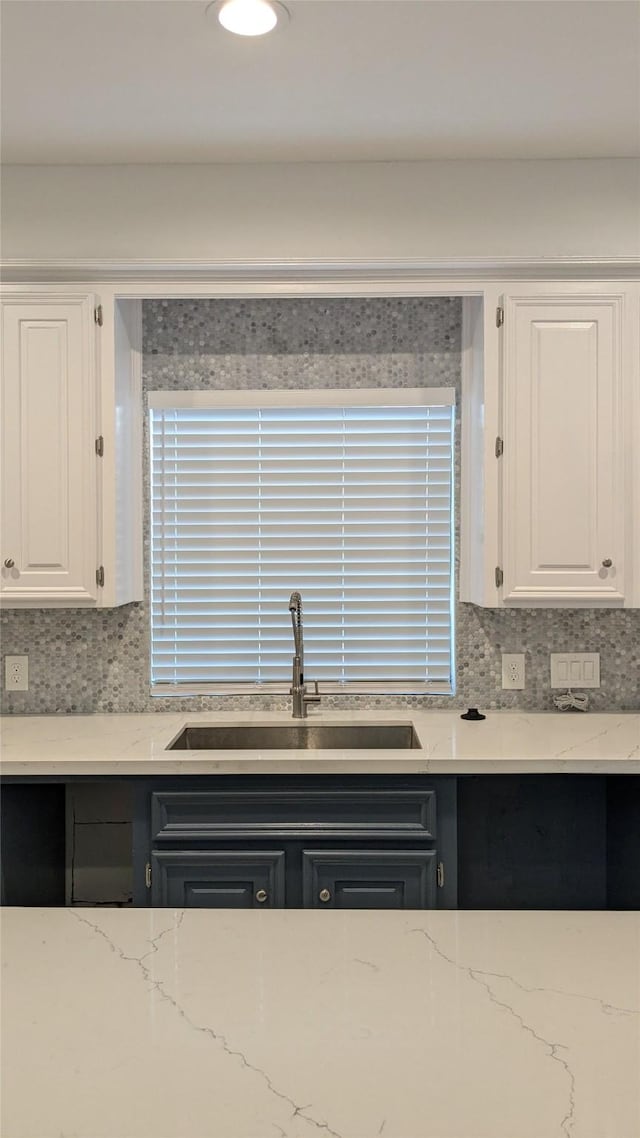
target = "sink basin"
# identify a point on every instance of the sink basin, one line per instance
(297, 736)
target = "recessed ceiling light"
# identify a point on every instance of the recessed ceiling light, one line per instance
(249, 17)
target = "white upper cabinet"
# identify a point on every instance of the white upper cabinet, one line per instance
(563, 462)
(550, 501)
(56, 547)
(49, 521)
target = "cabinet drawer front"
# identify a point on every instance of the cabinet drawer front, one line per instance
(200, 815)
(369, 879)
(217, 879)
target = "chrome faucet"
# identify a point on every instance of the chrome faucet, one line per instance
(298, 688)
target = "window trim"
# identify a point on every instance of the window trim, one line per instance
(306, 397)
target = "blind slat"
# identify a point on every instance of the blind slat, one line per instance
(351, 505)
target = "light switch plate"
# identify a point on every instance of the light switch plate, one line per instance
(575, 669)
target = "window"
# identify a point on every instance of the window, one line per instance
(345, 496)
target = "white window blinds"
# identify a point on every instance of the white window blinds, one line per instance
(344, 496)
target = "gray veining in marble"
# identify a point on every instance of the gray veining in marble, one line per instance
(83, 661)
(343, 1024)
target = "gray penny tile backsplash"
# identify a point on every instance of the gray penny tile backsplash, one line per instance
(85, 662)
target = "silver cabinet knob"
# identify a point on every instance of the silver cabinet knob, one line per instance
(262, 896)
(9, 563)
(324, 895)
(607, 563)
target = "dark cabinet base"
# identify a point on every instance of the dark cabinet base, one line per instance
(623, 842)
(353, 842)
(33, 844)
(533, 842)
(471, 841)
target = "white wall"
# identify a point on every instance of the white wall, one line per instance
(400, 210)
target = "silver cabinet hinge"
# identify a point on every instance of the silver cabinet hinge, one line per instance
(499, 316)
(499, 447)
(97, 315)
(440, 875)
(100, 576)
(499, 576)
(147, 875)
(100, 446)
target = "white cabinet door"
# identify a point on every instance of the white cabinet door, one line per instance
(49, 516)
(563, 505)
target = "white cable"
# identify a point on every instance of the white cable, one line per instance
(569, 700)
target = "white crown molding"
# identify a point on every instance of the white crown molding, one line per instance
(309, 272)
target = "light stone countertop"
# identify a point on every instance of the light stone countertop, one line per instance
(122, 1023)
(121, 745)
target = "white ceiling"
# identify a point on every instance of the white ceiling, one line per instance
(110, 81)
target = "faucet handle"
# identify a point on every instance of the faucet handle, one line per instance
(312, 698)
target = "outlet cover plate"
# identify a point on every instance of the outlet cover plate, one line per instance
(16, 673)
(512, 671)
(575, 669)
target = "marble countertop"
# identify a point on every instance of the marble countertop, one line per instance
(504, 742)
(158, 1023)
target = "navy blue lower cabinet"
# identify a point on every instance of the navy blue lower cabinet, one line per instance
(474, 841)
(387, 842)
(369, 879)
(217, 879)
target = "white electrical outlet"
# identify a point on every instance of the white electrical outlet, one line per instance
(16, 673)
(575, 669)
(513, 671)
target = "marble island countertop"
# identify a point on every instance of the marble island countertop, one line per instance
(246, 1024)
(504, 742)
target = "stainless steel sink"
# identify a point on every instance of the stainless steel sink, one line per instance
(297, 736)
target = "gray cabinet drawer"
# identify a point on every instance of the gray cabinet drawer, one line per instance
(218, 879)
(369, 879)
(210, 815)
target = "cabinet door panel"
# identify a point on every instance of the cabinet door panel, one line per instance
(218, 879)
(563, 457)
(369, 879)
(49, 481)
